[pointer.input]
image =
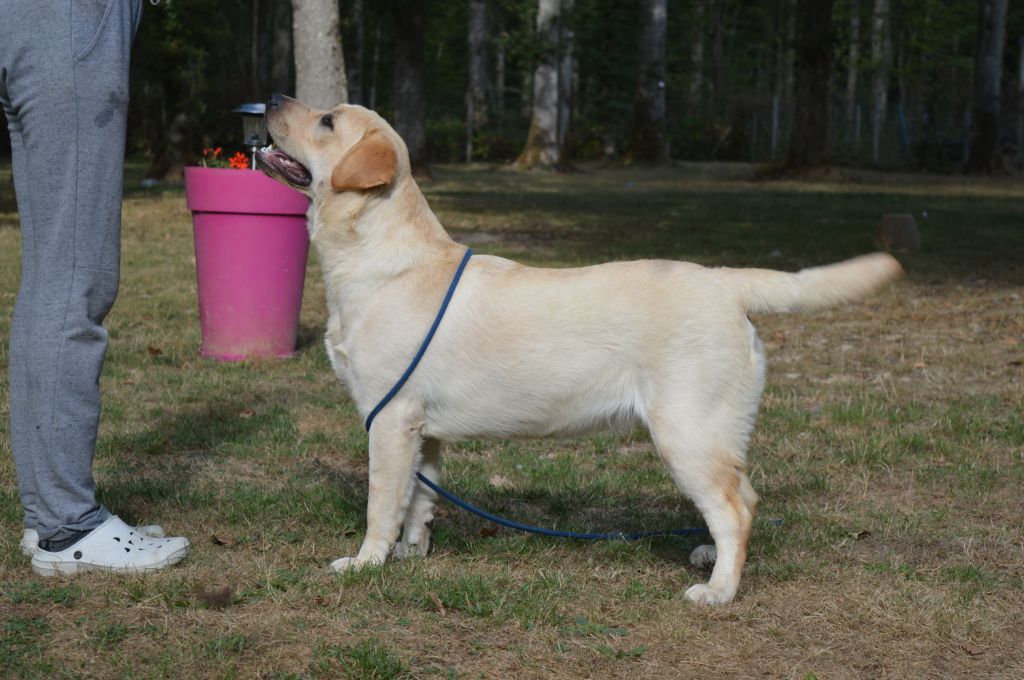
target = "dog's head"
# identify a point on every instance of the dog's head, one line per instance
(325, 153)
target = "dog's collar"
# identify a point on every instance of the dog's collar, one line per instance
(423, 346)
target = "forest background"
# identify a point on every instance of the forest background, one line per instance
(898, 84)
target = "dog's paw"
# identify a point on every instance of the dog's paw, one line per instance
(351, 564)
(420, 548)
(704, 556)
(702, 593)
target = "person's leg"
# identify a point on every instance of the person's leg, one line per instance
(65, 86)
(21, 322)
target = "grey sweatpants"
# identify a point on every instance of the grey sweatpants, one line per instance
(64, 89)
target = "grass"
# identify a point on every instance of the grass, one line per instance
(890, 445)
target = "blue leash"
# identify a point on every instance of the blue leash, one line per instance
(511, 524)
(616, 535)
(426, 342)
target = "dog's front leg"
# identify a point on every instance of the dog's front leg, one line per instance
(395, 443)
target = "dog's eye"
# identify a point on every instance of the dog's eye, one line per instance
(327, 121)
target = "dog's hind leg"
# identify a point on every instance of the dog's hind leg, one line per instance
(704, 556)
(415, 539)
(710, 470)
(395, 445)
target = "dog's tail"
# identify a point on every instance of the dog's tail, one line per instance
(765, 290)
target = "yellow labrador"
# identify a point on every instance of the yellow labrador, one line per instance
(525, 351)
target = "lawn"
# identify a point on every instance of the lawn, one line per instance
(889, 455)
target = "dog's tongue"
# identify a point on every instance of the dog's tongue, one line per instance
(278, 161)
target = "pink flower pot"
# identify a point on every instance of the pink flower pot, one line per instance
(251, 249)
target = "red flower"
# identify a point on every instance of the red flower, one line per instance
(239, 161)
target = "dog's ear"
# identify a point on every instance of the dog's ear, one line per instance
(368, 164)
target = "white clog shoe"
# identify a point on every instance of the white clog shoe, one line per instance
(30, 538)
(112, 546)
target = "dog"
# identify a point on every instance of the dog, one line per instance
(524, 351)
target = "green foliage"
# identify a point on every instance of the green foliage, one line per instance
(37, 592)
(22, 645)
(363, 661)
(229, 645)
(188, 72)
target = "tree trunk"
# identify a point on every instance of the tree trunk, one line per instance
(717, 54)
(880, 51)
(476, 93)
(409, 100)
(281, 50)
(988, 71)
(1020, 104)
(566, 37)
(697, 58)
(648, 144)
(813, 67)
(254, 51)
(852, 68)
(499, 69)
(789, 68)
(319, 61)
(542, 148)
(789, 79)
(357, 69)
(374, 66)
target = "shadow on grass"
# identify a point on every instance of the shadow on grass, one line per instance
(333, 498)
(581, 509)
(161, 463)
(309, 336)
(964, 236)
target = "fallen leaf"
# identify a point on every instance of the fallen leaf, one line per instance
(488, 532)
(857, 535)
(217, 540)
(972, 650)
(154, 351)
(246, 414)
(920, 364)
(1015, 362)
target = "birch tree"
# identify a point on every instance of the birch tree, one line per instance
(319, 61)
(542, 142)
